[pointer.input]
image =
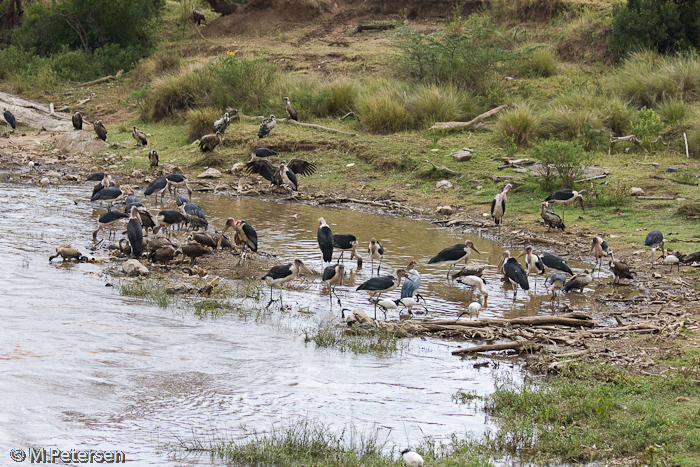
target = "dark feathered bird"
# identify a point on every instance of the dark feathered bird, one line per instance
(198, 16)
(345, 242)
(557, 281)
(245, 234)
(105, 183)
(266, 126)
(261, 153)
(181, 199)
(211, 240)
(108, 219)
(221, 124)
(157, 186)
(177, 181)
(514, 271)
(194, 210)
(134, 232)
(147, 220)
(153, 158)
(10, 119)
(551, 219)
(375, 251)
(100, 130)
(279, 275)
(454, 254)
(285, 174)
(619, 269)
(555, 262)
(130, 201)
(96, 177)
(291, 111)
(566, 196)
(111, 193)
(167, 218)
(333, 275)
(654, 240)
(195, 250)
(325, 240)
(163, 254)
(77, 120)
(139, 136)
(208, 142)
(379, 285)
(579, 281)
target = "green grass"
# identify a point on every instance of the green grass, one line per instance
(154, 290)
(379, 342)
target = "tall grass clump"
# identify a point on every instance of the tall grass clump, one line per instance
(566, 123)
(201, 121)
(172, 94)
(317, 97)
(584, 37)
(243, 83)
(616, 115)
(519, 125)
(432, 103)
(382, 109)
(673, 111)
(541, 62)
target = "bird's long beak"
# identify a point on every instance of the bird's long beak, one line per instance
(500, 264)
(524, 252)
(341, 277)
(221, 237)
(474, 248)
(306, 268)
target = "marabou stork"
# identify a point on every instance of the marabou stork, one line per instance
(498, 206)
(655, 239)
(139, 136)
(108, 219)
(453, 255)
(208, 142)
(514, 272)
(167, 218)
(194, 210)
(533, 263)
(555, 262)
(291, 111)
(557, 281)
(619, 269)
(197, 15)
(333, 275)
(181, 199)
(157, 186)
(411, 282)
(376, 251)
(153, 158)
(177, 181)
(266, 126)
(284, 175)
(279, 275)
(221, 124)
(673, 260)
(412, 458)
(96, 177)
(261, 153)
(472, 310)
(474, 282)
(579, 281)
(245, 234)
(134, 231)
(194, 250)
(600, 248)
(551, 219)
(378, 285)
(105, 183)
(566, 196)
(77, 120)
(10, 120)
(100, 130)
(346, 242)
(112, 193)
(325, 240)
(68, 252)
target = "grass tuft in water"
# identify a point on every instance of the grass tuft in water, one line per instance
(380, 342)
(153, 290)
(212, 308)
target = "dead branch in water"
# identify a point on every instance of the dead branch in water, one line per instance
(472, 124)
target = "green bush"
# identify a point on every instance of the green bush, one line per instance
(243, 83)
(519, 125)
(560, 160)
(662, 25)
(567, 123)
(646, 124)
(431, 103)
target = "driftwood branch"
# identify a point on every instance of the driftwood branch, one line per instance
(362, 27)
(630, 138)
(575, 320)
(656, 198)
(682, 182)
(97, 81)
(444, 170)
(313, 125)
(474, 123)
(516, 345)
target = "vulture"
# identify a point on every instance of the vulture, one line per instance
(197, 15)
(221, 124)
(266, 126)
(139, 136)
(100, 130)
(209, 142)
(291, 111)
(551, 219)
(285, 174)
(153, 157)
(77, 121)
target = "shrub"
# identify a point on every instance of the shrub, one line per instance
(519, 125)
(560, 159)
(200, 122)
(646, 124)
(673, 111)
(617, 116)
(242, 83)
(585, 37)
(383, 110)
(541, 62)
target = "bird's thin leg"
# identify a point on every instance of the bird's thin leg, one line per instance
(336, 294)
(372, 268)
(340, 260)
(562, 210)
(378, 267)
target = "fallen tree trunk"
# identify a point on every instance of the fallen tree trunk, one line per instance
(630, 138)
(488, 348)
(682, 182)
(313, 125)
(444, 170)
(380, 27)
(580, 320)
(474, 123)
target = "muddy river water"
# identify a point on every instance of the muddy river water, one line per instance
(84, 367)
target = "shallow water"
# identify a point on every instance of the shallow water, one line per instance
(84, 367)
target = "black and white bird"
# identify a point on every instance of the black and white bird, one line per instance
(153, 158)
(198, 16)
(105, 183)
(472, 310)
(551, 219)
(279, 275)
(533, 263)
(194, 209)
(599, 248)
(112, 194)
(181, 199)
(654, 240)
(579, 281)
(178, 181)
(134, 232)
(474, 282)
(566, 196)
(376, 251)
(207, 143)
(10, 120)
(376, 286)
(412, 458)
(673, 261)
(77, 120)
(557, 281)
(284, 175)
(324, 235)
(454, 254)
(266, 126)
(157, 186)
(514, 272)
(96, 177)
(167, 218)
(108, 219)
(411, 282)
(558, 263)
(346, 242)
(100, 130)
(245, 235)
(619, 269)
(333, 275)
(498, 206)
(221, 124)
(291, 111)
(139, 136)
(261, 153)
